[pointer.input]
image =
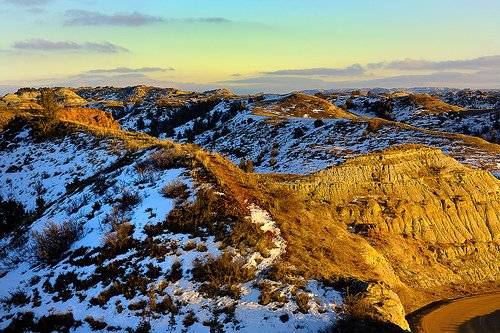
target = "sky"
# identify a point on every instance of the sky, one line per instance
(250, 46)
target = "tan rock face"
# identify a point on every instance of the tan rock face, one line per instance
(69, 98)
(92, 117)
(419, 193)
(435, 222)
(385, 305)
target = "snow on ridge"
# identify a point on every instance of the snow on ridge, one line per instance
(266, 223)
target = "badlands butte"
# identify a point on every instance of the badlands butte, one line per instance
(388, 199)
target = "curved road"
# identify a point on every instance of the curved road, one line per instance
(475, 314)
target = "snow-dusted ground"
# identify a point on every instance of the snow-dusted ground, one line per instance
(262, 138)
(482, 120)
(75, 283)
(326, 145)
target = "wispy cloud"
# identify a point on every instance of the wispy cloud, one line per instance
(122, 70)
(422, 64)
(83, 17)
(27, 3)
(39, 44)
(283, 84)
(353, 70)
(215, 20)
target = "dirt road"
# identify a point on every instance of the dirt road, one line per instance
(475, 314)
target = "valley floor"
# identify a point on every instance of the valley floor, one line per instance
(475, 314)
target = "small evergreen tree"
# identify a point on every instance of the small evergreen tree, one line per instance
(48, 103)
(140, 124)
(243, 164)
(249, 166)
(318, 123)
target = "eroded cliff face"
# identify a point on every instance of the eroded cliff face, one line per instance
(90, 117)
(435, 222)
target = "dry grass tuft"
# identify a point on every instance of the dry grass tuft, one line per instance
(221, 276)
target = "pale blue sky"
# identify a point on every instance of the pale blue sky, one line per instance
(247, 45)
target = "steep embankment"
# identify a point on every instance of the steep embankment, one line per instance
(118, 230)
(411, 222)
(417, 203)
(89, 117)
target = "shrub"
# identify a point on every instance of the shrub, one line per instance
(129, 199)
(189, 319)
(249, 166)
(175, 273)
(95, 324)
(202, 247)
(167, 159)
(60, 322)
(175, 189)
(12, 214)
(55, 239)
(246, 165)
(207, 214)
(189, 245)
(303, 302)
(355, 306)
(221, 275)
(298, 132)
(268, 294)
(318, 123)
(374, 125)
(17, 297)
(115, 217)
(144, 326)
(118, 241)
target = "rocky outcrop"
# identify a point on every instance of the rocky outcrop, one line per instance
(418, 192)
(384, 304)
(91, 117)
(69, 98)
(435, 221)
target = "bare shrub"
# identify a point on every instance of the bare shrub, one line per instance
(189, 245)
(269, 294)
(118, 240)
(175, 273)
(167, 159)
(355, 306)
(17, 297)
(115, 217)
(55, 239)
(128, 199)
(95, 324)
(209, 213)
(374, 125)
(221, 275)
(175, 189)
(12, 214)
(303, 302)
(189, 319)
(167, 305)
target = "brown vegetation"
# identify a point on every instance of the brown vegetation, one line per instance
(55, 239)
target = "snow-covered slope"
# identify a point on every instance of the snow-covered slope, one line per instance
(461, 112)
(292, 133)
(127, 269)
